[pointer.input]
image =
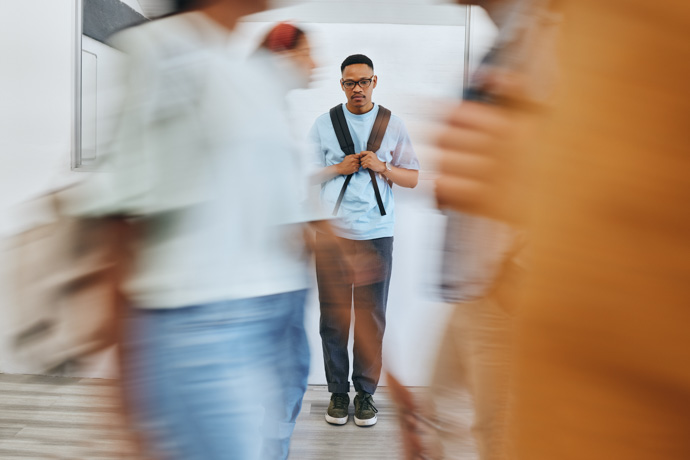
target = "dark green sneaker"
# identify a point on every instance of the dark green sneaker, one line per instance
(365, 412)
(337, 409)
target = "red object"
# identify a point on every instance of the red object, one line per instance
(282, 37)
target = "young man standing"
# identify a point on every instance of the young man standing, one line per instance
(357, 186)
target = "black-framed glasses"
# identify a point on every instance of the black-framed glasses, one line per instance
(363, 83)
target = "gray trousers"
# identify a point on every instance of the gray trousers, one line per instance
(338, 292)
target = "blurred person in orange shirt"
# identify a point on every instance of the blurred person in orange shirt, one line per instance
(483, 256)
(601, 320)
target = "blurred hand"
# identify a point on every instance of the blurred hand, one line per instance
(369, 160)
(349, 165)
(366, 267)
(483, 150)
(415, 429)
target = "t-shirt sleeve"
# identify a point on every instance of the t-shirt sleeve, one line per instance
(404, 155)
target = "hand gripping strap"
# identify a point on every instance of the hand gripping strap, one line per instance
(347, 145)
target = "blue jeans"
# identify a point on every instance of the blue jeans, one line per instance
(219, 381)
(337, 294)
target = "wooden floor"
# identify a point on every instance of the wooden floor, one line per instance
(59, 418)
(66, 418)
(314, 439)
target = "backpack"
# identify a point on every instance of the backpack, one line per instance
(347, 145)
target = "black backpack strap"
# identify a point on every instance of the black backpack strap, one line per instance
(379, 129)
(347, 145)
(374, 144)
(342, 132)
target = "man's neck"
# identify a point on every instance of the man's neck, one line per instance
(360, 110)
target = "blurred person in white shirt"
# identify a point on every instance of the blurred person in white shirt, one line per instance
(203, 166)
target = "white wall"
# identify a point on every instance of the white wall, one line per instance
(36, 94)
(37, 45)
(36, 83)
(416, 64)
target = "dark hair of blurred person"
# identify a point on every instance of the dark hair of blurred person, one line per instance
(184, 5)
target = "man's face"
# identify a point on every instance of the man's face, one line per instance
(358, 96)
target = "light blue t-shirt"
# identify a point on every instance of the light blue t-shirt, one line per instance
(359, 217)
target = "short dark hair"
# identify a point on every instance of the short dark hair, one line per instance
(356, 59)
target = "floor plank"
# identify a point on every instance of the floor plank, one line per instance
(45, 418)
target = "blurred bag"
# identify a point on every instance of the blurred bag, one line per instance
(66, 276)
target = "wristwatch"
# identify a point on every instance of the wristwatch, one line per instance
(388, 167)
